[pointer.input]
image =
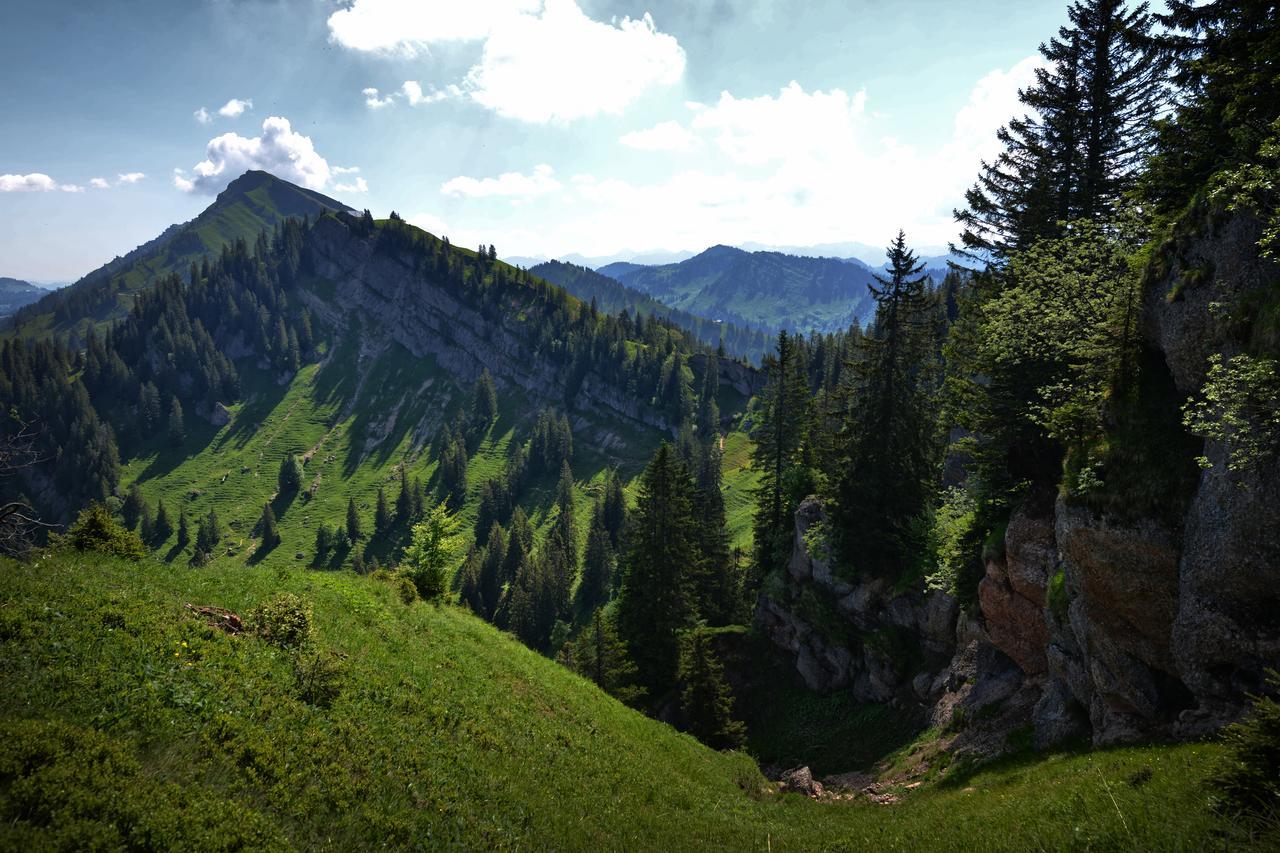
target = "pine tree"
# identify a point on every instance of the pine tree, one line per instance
(353, 521)
(781, 436)
(132, 508)
(404, 500)
(381, 512)
(705, 701)
(146, 525)
(324, 541)
(1079, 152)
(613, 509)
(270, 532)
(597, 565)
(469, 587)
(208, 535)
(1225, 54)
(562, 545)
(599, 654)
(889, 458)
(177, 428)
(655, 601)
(484, 404)
(492, 577)
(290, 477)
(163, 527)
(184, 529)
(716, 584)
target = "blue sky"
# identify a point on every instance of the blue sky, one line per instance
(544, 126)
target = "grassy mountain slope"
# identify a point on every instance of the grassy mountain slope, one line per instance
(251, 203)
(766, 290)
(126, 721)
(232, 469)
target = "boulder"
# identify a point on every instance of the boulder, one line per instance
(799, 780)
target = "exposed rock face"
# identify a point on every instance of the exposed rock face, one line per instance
(1226, 631)
(383, 291)
(861, 634)
(1013, 592)
(1220, 264)
(1122, 579)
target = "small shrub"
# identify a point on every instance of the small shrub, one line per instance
(1059, 598)
(96, 530)
(317, 677)
(406, 588)
(1249, 784)
(284, 621)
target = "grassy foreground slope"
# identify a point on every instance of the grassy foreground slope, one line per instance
(127, 722)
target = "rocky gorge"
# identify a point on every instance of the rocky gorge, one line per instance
(1097, 615)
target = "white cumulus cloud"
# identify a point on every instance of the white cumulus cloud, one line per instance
(542, 60)
(410, 26)
(36, 182)
(509, 184)
(374, 101)
(130, 177)
(359, 185)
(279, 150)
(794, 123)
(99, 183)
(413, 93)
(202, 116)
(666, 136)
(794, 167)
(235, 107)
(562, 65)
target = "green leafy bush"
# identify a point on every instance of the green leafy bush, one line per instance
(406, 588)
(1249, 784)
(1058, 597)
(96, 530)
(434, 552)
(318, 677)
(1239, 405)
(955, 537)
(72, 788)
(284, 621)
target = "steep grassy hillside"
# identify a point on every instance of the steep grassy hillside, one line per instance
(127, 721)
(251, 203)
(766, 290)
(335, 416)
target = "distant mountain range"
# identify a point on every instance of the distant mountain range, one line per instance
(16, 293)
(863, 253)
(763, 290)
(813, 288)
(612, 296)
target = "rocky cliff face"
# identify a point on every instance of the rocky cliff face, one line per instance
(881, 642)
(1118, 627)
(382, 291)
